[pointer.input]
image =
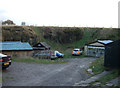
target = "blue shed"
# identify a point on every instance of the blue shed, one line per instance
(16, 48)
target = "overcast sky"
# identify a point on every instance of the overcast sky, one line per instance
(83, 13)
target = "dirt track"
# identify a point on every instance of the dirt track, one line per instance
(67, 74)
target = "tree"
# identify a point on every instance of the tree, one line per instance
(8, 22)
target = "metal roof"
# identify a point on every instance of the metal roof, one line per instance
(95, 47)
(41, 44)
(105, 41)
(45, 44)
(15, 45)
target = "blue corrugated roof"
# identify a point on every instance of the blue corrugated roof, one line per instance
(105, 41)
(17, 45)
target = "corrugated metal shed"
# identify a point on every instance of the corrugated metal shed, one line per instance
(96, 48)
(15, 45)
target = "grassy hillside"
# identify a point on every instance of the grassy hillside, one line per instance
(19, 33)
(63, 39)
(89, 34)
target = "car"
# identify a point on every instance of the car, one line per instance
(58, 54)
(77, 52)
(5, 61)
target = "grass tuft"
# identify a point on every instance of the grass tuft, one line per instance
(42, 61)
(108, 77)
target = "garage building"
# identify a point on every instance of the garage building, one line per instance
(96, 48)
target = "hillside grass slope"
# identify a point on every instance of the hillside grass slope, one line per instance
(63, 39)
(88, 35)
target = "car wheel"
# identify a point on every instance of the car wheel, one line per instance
(3, 68)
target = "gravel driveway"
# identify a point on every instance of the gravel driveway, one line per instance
(67, 74)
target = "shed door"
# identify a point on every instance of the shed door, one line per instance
(112, 56)
(107, 60)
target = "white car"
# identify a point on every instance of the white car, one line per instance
(77, 52)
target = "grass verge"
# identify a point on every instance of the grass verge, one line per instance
(108, 77)
(118, 85)
(97, 66)
(0, 79)
(42, 61)
(6, 78)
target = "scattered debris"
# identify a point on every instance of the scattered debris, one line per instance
(109, 84)
(90, 71)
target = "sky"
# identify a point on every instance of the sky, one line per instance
(79, 13)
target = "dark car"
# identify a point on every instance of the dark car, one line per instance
(5, 61)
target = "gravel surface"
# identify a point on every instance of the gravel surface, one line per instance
(67, 74)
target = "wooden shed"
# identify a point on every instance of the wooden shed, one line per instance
(41, 50)
(16, 49)
(112, 55)
(41, 46)
(96, 48)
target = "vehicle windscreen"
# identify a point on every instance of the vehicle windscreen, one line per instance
(5, 58)
(75, 50)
